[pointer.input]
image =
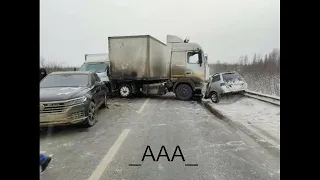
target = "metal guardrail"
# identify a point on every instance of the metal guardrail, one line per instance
(263, 97)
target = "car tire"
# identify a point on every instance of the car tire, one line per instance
(214, 97)
(125, 90)
(184, 92)
(91, 119)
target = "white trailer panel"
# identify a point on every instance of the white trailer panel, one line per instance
(137, 57)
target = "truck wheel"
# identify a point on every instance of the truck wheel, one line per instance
(214, 97)
(91, 119)
(125, 90)
(184, 92)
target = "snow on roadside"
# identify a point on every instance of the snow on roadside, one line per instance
(259, 93)
(261, 117)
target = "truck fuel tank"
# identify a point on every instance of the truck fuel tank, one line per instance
(154, 89)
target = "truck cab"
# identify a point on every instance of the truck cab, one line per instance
(97, 63)
(188, 64)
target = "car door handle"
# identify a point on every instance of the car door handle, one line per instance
(188, 73)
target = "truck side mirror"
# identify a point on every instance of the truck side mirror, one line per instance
(200, 59)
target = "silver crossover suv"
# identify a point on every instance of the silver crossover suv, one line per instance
(224, 83)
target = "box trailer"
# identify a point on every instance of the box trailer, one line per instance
(137, 58)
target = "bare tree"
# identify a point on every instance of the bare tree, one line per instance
(241, 60)
(254, 60)
(245, 59)
(42, 61)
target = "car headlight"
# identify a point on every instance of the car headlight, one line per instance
(79, 100)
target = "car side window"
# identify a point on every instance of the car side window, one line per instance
(216, 78)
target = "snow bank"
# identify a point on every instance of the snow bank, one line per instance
(263, 83)
(260, 117)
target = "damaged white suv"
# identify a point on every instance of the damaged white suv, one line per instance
(224, 83)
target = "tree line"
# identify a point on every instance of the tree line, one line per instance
(262, 73)
(52, 66)
(269, 63)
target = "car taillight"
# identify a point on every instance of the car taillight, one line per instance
(222, 84)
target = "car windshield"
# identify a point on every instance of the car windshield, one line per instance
(227, 77)
(65, 80)
(94, 67)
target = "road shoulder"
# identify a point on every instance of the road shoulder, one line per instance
(264, 141)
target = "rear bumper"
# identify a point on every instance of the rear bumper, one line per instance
(73, 115)
(227, 90)
(232, 92)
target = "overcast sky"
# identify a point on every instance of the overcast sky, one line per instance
(226, 29)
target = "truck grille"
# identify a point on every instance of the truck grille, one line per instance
(53, 107)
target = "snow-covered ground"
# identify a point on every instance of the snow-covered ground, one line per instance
(260, 117)
(263, 83)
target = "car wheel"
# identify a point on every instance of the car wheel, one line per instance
(125, 91)
(91, 119)
(214, 97)
(105, 101)
(184, 92)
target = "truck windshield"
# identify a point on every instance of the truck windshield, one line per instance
(94, 67)
(65, 80)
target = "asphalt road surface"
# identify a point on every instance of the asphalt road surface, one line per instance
(124, 131)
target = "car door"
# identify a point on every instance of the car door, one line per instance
(194, 69)
(215, 83)
(100, 88)
(95, 89)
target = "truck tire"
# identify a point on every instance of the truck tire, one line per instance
(184, 92)
(125, 90)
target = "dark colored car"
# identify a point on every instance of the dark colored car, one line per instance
(43, 73)
(71, 98)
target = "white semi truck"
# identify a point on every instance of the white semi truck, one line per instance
(143, 64)
(98, 63)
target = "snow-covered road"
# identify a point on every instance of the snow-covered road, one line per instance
(260, 117)
(122, 133)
